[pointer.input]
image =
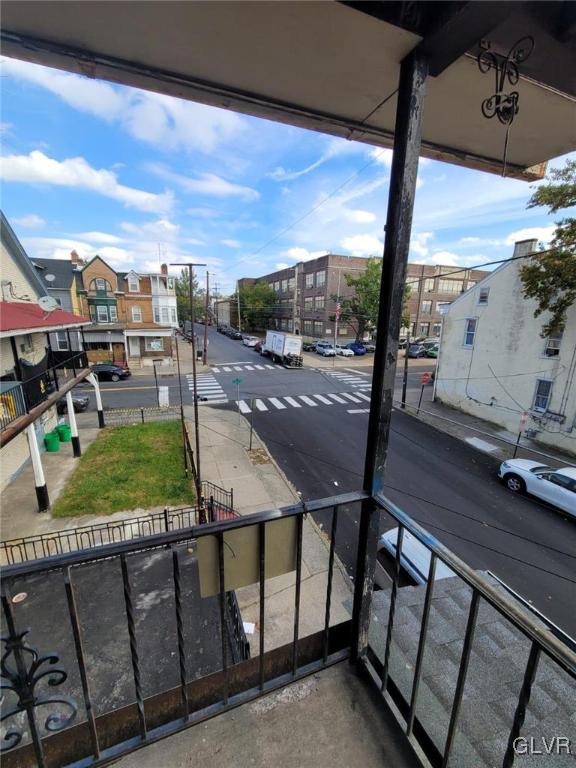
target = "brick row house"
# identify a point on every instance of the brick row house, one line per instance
(132, 314)
(305, 295)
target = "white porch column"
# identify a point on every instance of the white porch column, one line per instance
(73, 426)
(93, 379)
(39, 480)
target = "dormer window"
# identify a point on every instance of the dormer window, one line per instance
(133, 283)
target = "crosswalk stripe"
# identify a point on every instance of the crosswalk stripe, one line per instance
(243, 407)
(337, 398)
(350, 397)
(270, 366)
(276, 403)
(260, 405)
(323, 399)
(227, 369)
(307, 400)
(358, 410)
(248, 368)
(216, 370)
(363, 396)
(260, 367)
(237, 368)
(294, 403)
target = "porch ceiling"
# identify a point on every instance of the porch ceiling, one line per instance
(325, 66)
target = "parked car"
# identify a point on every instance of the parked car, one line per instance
(236, 335)
(309, 346)
(343, 350)
(325, 349)
(222, 328)
(414, 559)
(109, 372)
(416, 350)
(432, 350)
(357, 348)
(79, 402)
(556, 486)
(402, 343)
(258, 346)
(250, 341)
(369, 346)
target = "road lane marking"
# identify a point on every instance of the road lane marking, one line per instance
(248, 368)
(237, 368)
(482, 445)
(243, 407)
(307, 400)
(260, 367)
(216, 370)
(362, 395)
(323, 399)
(227, 369)
(271, 366)
(350, 397)
(292, 402)
(337, 398)
(358, 410)
(276, 403)
(260, 405)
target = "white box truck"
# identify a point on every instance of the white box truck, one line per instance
(285, 348)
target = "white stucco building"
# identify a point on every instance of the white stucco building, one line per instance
(494, 363)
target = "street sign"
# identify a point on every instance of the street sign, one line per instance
(236, 381)
(425, 379)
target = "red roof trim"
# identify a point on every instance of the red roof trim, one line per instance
(26, 316)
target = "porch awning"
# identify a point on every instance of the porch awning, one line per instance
(149, 332)
(327, 66)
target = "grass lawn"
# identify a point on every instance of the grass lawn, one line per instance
(128, 467)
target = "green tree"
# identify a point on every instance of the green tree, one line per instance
(182, 287)
(257, 303)
(550, 275)
(360, 311)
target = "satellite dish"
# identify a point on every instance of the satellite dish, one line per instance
(47, 303)
(49, 278)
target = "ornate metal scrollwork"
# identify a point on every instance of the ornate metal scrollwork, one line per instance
(503, 105)
(21, 671)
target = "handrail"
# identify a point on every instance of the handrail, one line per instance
(515, 614)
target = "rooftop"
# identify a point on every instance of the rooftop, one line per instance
(17, 317)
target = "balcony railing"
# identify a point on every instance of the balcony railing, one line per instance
(162, 678)
(17, 398)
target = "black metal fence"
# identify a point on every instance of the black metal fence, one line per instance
(117, 417)
(12, 402)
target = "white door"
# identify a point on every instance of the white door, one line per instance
(134, 346)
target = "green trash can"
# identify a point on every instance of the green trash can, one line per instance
(52, 441)
(64, 433)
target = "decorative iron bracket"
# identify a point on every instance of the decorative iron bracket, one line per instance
(504, 105)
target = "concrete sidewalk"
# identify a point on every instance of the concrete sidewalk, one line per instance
(260, 485)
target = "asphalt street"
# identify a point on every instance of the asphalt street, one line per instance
(314, 423)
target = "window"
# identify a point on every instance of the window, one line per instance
(450, 286)
(542, 395)
(429, 285)
(309, 303)
(562, 480)
(290, 327)
(283, 324)
(154, 344)
(309, 280)
(100, 284)
(136, 315)
(156, 314)
(470, 333)
(291, 284)
(320, 278)
(553, 344)
(277, 286)
(170, 283)
(113, 314)
(92, 310)
(284, 286)
(342, 331)
(165, 315)
(426, 307)
(436, 329)
(102, 313)
(173, 314)
(308, 327)
(62, 341)
(424, 329)
(133, 283)
(26, 345)
(441, 307)
(318, 328)
(483, 295)
(319, 302)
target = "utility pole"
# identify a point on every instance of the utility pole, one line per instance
(205, 351)
(195, 403)
(405, 377)
(238, 301)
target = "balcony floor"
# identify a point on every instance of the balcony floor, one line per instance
(328, 719)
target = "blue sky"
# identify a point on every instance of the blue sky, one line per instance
(141, 178)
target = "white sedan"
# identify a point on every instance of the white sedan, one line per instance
(556, 486)
(344, 351)
(250, 341)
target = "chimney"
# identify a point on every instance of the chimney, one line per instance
(164, 269)
(524, 247)
(76, 260)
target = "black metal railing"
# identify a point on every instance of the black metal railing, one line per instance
(12, 402)
(56, 598)
(483, 597)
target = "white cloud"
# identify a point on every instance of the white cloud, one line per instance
(203, 213)
(31, 221)
(231, 243)
(207, 184)
(363, 245)
(100, 237)
(382, 156)
(542, 234)
(164, 121)
(450, 259)
(360, 217)
(335, 148)
(418, 243)
(159, 229)
(75, 172)
(282, 265)
(470, 240)
(59, 248)
(303, 254)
